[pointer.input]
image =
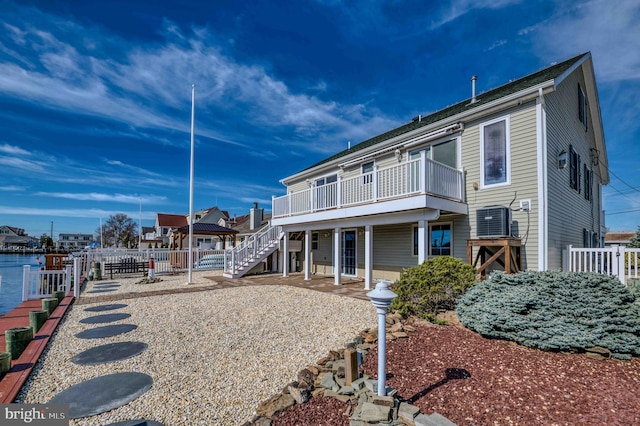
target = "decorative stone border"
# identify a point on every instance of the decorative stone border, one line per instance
(333, 376)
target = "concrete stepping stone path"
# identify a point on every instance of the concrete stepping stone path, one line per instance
(102, 394)
(109, 353)
(139, 422)
(99, 319)
(109, 307)
(106, 331)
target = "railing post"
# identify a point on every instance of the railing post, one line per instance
(67, 279)
(620, 264)
(76, 277)
(423, 171)
(26, 272)
(374, 183)
(339, 192)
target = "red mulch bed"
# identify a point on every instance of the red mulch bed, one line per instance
(472, 380)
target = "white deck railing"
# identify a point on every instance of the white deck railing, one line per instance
(403, 180)
(619, 261)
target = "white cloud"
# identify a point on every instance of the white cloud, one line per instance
(148, 86)
(70, 213)
(13, 150)
(12, 188)
(458, 8)
(116, 198)
(610, 30)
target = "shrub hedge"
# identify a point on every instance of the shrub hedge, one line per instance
(556, 311)
(432, 287)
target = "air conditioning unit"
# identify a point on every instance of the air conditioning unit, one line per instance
(493, 222)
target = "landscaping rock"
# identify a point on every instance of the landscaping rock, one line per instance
(274, 405)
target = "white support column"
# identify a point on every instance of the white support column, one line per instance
(285, 255)
(77, 262)
(423, 238)
(368, 256)
(307, 254)
(337, 256)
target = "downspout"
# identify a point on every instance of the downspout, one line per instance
(543, 213)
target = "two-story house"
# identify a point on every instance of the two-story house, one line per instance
(73, 241)
(525, 160)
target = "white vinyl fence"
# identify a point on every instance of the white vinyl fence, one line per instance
(165, 261)
(619, 261)
(40, 283)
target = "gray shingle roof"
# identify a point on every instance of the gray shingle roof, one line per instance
(515, 86)
(208, 228)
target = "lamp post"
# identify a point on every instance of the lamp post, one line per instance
(381, 298)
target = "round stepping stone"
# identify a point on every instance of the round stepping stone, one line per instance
(106, 286)
(106, 331)
(139, 422)
(109, 307)
(109, 353)
(103, 393)
(108, 283)
(106, 290)
(99, 319)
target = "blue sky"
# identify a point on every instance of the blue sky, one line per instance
(95, 96)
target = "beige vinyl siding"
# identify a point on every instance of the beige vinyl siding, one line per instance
(523, 177)
(568, 210)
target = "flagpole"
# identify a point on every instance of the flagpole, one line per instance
(193, 112)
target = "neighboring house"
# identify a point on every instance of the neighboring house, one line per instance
(533, 150)
(165, 223)
(619, 238)
(73, 241)
(13, 238)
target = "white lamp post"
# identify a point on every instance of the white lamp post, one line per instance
(381, 298)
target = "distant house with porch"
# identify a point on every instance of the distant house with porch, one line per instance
(13, 238)
(521, 164)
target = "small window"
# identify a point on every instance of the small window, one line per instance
(440, 240)
(582, 107)
(314, 241)
(494, 147)
(367, 173)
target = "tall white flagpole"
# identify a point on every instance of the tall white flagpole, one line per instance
(193, 113)
(140, 231)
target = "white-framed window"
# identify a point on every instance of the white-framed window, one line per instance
(440, 239)
(367, 173)
(314, 241)
(495, 153)
(582, 107)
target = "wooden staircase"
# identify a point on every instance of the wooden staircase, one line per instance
(241, 259)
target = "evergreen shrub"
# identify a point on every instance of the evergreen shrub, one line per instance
(555, 311)
(432, 287)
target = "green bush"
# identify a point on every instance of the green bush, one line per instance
(432, 287)
(555, 311)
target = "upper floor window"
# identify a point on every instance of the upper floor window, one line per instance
(495, 152)
(326, 180)
(582, 107)
(574, 169)
(367, 172)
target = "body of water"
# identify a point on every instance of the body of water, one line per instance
(11, 281)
